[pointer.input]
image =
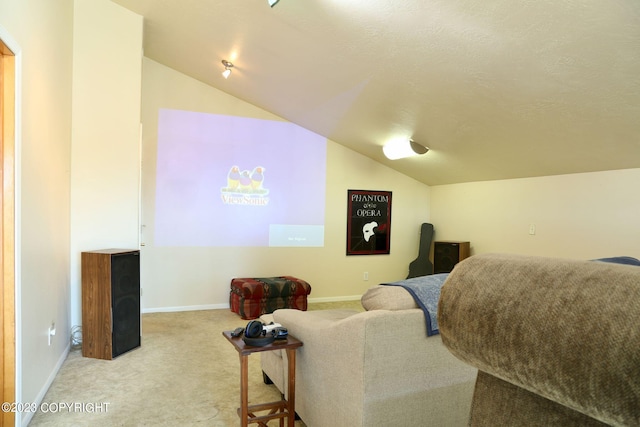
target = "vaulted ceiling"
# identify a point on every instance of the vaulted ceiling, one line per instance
(496, 89)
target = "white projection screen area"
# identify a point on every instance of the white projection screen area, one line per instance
(235, 181)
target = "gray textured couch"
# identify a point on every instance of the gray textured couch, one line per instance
(556, 342)
(375, 368)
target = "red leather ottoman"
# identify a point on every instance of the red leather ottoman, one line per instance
(253, 297)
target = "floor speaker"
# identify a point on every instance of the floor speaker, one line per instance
(110, 302)
(447, 254)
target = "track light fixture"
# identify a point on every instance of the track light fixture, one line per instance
(400, 148)
(227, 68)
(273, 2)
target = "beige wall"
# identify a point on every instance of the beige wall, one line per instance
(175, 278)
(95, 199)
(42, 35)
(105, 154)
(582, 216)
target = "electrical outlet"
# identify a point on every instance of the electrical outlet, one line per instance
(365, 276)
(532, 229)
(52, 331)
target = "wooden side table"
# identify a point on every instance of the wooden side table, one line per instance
(278, 409)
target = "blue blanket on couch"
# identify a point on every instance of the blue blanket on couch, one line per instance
(621, 260)
(426, 291)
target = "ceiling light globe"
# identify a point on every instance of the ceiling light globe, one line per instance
(401, 148)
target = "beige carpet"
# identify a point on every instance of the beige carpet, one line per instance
(184, 374)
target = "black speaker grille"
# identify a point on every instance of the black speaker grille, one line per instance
(125, 282)
(125, 274)
(445, 256)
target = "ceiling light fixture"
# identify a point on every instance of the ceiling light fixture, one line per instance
(273, 2)
(227, 68)
(400, 148)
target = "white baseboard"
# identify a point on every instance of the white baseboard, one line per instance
(336, 299)
(28, 415)
(185, 308)
(226, 305)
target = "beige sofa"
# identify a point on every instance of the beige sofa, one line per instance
(372, 368)
(556, 341)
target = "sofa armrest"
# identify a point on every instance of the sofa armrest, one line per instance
(374, 368)
(324, 380)
(564, 329)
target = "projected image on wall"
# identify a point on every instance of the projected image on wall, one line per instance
(234, 181)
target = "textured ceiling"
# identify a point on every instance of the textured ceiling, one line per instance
(496, 89)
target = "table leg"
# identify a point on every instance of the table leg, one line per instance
(291, 401)
(244, 390)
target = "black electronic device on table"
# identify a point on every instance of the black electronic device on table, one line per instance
(281, 333)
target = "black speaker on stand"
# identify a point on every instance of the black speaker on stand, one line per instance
(447, 254)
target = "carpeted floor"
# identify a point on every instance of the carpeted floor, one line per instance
(184, 374)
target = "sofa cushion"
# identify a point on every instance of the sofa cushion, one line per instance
(382, 297)
(564, 329)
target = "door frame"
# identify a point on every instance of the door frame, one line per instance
(7, 230)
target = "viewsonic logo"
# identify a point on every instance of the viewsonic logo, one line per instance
(245, 187)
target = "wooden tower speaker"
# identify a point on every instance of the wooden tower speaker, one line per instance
(447, 254)
(110, 302)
